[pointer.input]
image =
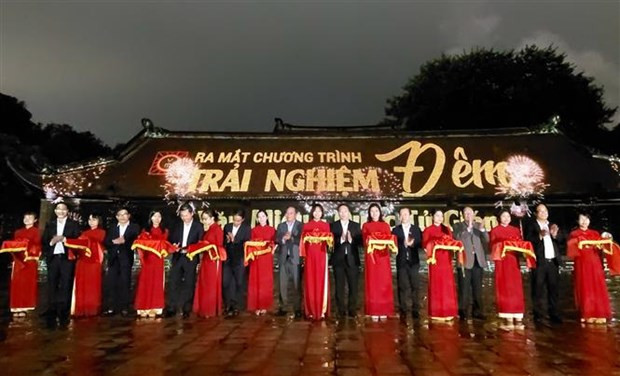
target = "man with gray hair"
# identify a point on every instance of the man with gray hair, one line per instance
(288, 235)
(476, 242)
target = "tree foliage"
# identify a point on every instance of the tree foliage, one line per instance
(29, 147)
(489, 89)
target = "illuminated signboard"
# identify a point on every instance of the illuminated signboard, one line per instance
(212, 166)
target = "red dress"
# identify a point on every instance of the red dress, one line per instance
(591, 296)
(508, 283)
(25, 271)
(208, 293)
(87, 281)
(379, 295)
(151, 282)
(260, 282)
(442, 301)
(316, 269)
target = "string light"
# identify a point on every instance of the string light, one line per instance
(72, 183)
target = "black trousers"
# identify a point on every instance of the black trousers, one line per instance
(407, 278)
(118, 283)
(233, 276)
(470, 285)
(546, 280)
(60, 272)
(346, 275)
(181, 283)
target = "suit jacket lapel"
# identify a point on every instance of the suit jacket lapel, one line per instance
(189, 233)
(66, 229)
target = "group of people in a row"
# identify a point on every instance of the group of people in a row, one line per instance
(304, 252)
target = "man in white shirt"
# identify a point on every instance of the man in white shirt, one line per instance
(118, 241)
(182, 279)
(233, 269)
(409, 238)
(345, 260)
(544, 236)
(60, 267)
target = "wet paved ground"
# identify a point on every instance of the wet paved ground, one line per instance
(282, 346)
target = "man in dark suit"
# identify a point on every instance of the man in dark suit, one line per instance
(182, 278)
(545, 238)
(118, 241)
(60, 268)
(233, 269)
(345, 259)
(476, 242)
(288, 235)
(409, 239)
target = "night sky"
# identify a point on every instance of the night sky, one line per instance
(102, 66)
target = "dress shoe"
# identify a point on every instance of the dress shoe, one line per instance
(169, 313)
(109, 313)
(462, 317)
(280, 312)
(555, 319)
(538, 319)
(45, 313)
(415, 315)
(352, 314)
(63, 324)
(186, 314)
(124, 313)
(297, 314)
(479, 316)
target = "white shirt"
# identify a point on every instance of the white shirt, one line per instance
(122, 228)
(345, 228)
(235, 230)
(186, 227)
(547, 242)
(289, 226)
(59, 248)
(406, 228)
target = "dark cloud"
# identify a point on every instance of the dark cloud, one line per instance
(235, 66)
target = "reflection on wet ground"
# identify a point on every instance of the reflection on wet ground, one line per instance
(271, 345)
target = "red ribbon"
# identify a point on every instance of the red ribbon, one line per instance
(501, 248)
(446, 243)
